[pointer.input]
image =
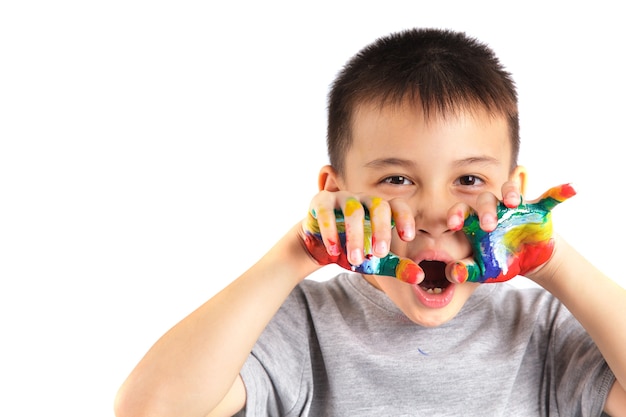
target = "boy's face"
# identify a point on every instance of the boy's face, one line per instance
(397, 154)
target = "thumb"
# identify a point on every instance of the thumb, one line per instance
(463, 271)
(391, 265)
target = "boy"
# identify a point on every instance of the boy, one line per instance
(422, 131)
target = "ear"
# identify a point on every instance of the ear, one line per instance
(519, 176)
(328, 179)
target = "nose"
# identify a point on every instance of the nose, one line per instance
(431, 217)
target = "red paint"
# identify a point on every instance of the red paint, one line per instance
(566, 191)
(536, 254)
(334, 247)
(460, 272)
(318, 251)
(409, 272)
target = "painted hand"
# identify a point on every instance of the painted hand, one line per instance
(389, 265)
(521, 241)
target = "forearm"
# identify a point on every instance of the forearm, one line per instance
(191, 368)
(596, 301)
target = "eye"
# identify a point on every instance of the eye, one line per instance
(470, 180)
(397, 180)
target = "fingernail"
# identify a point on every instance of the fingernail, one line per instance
(333, 248)
(512, 200)
(455, 222)
(406, 234)
(380, 247)
(356, 257)
(488, 221)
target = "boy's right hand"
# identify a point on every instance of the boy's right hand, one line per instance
(357, 235)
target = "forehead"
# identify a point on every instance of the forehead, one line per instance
(407, 130)
(413, 109)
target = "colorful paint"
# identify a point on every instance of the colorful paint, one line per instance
(521, 241)
(390, 265)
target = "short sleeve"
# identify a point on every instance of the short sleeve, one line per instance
(275, 372)
(580, 377)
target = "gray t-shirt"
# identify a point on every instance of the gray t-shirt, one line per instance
(342, 348)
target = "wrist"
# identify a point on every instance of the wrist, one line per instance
(547, 275)
(290, 258)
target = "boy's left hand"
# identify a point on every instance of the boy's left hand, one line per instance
(521, 241)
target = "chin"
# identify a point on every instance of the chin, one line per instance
(425, 307)
(432, 318)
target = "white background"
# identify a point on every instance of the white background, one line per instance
(152, 151)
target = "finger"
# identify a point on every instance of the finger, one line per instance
(391, 265)
(403, 218)
(403, 269)
(457, 215)
(463, 271)
(555, 195)
(511, 194)
(381, 225)
(487, 211)
(354, 218)
(321, 223)
(409, 272)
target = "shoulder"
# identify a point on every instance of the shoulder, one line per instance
(506, 303)
(340, 291)
(508, 296)
(310, 296)
(346, 290)
(313, 307)
(338, 286)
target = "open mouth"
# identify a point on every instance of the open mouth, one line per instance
(435, 281)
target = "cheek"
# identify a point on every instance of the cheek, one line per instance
(470, 199)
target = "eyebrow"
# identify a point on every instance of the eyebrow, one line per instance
(405, 163)
(385, 162)
(482, 160)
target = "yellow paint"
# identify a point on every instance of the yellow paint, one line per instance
(351, 206)
(527, 233)
(375, 203)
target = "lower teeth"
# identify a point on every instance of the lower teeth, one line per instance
(434, 291)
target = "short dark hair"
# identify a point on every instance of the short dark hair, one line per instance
(443, 70)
